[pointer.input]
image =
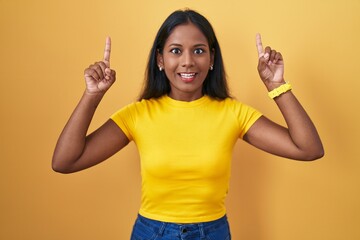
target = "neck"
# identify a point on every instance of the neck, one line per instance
(185, 97)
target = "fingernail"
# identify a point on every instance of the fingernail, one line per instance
(266, 55)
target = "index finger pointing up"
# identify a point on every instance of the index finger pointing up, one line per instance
(259, 45)
(107, 51)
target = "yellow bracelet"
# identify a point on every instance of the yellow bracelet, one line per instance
(280, 90)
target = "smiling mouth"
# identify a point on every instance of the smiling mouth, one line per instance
(187, 77)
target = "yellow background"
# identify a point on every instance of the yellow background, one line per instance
(44, 47)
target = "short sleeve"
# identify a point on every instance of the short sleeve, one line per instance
(125, 119)
(246, 117)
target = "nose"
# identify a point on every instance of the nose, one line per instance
(187, 59)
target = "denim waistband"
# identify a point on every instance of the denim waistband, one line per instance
(212, 225)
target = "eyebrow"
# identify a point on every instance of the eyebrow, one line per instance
(179, 45)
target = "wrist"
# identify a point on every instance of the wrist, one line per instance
(94, 94)
(273, 85)
(93, 98)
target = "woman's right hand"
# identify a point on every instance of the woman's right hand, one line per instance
(98, 76)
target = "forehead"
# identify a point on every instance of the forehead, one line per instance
(186, 34)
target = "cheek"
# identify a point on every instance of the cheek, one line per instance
(170, 64)
(205, 67)
(169, 60)
(170, 73)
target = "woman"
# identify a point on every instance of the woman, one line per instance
(185, 125)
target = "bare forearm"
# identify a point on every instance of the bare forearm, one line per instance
(300, 127)
(71, 142)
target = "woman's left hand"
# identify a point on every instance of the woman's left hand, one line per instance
(270, 65)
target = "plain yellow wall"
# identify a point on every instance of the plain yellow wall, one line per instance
(44, 47)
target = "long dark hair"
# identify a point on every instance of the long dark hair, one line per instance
(156, 83)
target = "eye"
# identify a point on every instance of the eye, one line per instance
(199, 51)
(175, 51)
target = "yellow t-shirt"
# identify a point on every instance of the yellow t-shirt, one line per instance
(185, 150)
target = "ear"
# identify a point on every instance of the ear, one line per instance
(159, 59)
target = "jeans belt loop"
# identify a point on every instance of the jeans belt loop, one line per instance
(162, 229)
(201, 230)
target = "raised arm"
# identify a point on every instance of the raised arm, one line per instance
(300, 139)
(74, 150)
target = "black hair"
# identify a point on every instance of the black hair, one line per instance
(156, 83)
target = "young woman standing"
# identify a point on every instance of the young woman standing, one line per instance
(185, 125)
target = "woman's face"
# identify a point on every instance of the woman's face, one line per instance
(186, 60)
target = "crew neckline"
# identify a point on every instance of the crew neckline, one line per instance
(185, 104)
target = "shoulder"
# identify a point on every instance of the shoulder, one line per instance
(229, 103)
(144, 103)
(140, 106)
(239, 109)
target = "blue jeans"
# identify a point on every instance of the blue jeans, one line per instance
(148, 229)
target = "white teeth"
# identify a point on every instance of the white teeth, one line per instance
(187, 75)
